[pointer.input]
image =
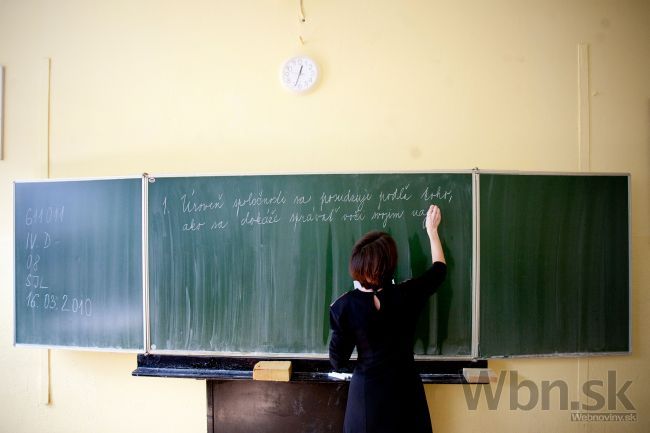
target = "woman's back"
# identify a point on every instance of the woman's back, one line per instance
(385, 335)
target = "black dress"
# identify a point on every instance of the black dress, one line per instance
(386, 393)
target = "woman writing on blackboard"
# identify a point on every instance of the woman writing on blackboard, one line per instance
(379, 318)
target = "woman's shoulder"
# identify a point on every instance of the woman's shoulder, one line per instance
(340, 302)
(433, 276)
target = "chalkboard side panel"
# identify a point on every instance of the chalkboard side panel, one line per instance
(78, 264)
(555, 265)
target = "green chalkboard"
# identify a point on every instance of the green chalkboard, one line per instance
(250, 264)
(554, 264)
(78, 264)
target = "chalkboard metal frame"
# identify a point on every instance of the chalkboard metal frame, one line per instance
(144, 252)
(146, 178)
(478, 261)
(474, 340)
(476, 270)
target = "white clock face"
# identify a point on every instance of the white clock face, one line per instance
(299, 74)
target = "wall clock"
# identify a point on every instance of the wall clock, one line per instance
(299, 74)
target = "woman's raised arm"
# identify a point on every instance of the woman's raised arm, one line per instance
(432, 222)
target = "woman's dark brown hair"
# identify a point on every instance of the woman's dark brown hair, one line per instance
(373, 260)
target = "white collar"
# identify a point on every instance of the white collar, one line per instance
(358, 286)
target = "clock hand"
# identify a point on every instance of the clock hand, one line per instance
(298, 77)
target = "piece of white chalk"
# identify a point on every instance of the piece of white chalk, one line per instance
(340, 376)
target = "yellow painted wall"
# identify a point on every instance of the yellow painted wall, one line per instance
(193, 87)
